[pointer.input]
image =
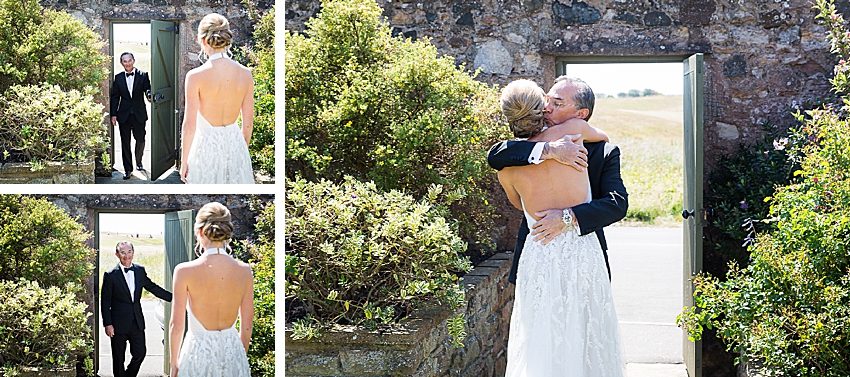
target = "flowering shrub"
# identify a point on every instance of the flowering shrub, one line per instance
(41, 327)
(356, 255)
(790, 308)
(40, 242)
(45, 123)
(40, 45)
(360, 102)
(257, 248)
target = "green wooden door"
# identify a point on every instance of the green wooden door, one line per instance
(179, 248)
(693, 207)
(164, 97)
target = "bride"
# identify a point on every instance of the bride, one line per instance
(215, 150)
(563, 321)
(214, 289)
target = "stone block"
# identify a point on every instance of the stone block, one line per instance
(312, 364)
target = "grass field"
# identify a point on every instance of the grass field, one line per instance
(149, 253)
(648, 131)
(141, 52)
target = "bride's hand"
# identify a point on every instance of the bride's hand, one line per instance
(549, 226)
(184, 171)
(173, 371)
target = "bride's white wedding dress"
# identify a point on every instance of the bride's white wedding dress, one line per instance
(563, 321)
(219, 154)
(211, 353)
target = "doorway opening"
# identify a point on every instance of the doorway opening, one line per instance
(641, 106)
(154, 45)
(134, 38)
(147, 234)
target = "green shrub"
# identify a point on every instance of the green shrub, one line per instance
(46, 123)
(790, 308)
(356, 255)
(362, 103)
(258, 249)
(40, 242)
(738, 186)
(259, 53)
(41, 327)
(40, 45)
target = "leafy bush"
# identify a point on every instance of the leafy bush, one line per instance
(790, 308)
(259, 53)
(46, 123)
(260, 250)
(362, 103)
(740, 183)
(356, 255)
(41, 327)
(42, 45)
(40, 242)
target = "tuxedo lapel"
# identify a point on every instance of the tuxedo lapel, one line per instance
(137, 277)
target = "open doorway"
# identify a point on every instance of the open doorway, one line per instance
(641, 107)
(134, 38)
(154, 46)
(146, 232)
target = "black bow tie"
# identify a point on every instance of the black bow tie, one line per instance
(130, 74)
(131, 268)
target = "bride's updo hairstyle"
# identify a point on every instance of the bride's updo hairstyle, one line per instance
(522, 104)
(215, 29)
(213, 220)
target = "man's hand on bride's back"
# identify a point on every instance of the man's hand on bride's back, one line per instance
(549, 226)
(566, 151)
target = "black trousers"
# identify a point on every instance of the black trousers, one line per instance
(136, 337)
(137, 130)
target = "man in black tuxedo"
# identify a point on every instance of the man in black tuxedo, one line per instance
(569, 98)
(128, 110)
(121, 309)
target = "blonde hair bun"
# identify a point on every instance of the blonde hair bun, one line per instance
(215, 29)
(214, 221)
(522, 104)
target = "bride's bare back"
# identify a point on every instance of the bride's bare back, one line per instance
(223, 87)
(218, 287)
(550, 184)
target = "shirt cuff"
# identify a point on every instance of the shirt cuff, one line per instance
(534, 157)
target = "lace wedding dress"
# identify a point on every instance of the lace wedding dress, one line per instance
(206, 353)
(563, 321)
(219, 155)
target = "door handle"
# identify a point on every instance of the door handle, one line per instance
(158, 97)
(686, 214)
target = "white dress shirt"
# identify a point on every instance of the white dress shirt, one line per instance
(130, 277)
(130, 82)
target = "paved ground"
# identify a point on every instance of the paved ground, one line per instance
(153, 363)
(139, 177)
(646, 271)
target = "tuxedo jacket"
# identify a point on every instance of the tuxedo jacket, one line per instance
(116, 307)
(120, 101)
(609, 203)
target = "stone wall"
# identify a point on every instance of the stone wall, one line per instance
(53, 172)
(420, 345)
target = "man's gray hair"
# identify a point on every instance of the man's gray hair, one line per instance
(583, 97)
(122, 243)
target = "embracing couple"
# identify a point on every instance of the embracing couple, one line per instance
(565, 177)
(214, 289)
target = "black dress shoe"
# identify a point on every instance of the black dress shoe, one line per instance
(128, 175)
(140, 168)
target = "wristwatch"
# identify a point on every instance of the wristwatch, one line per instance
(568, 218)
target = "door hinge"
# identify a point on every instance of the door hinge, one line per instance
(175, 29)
